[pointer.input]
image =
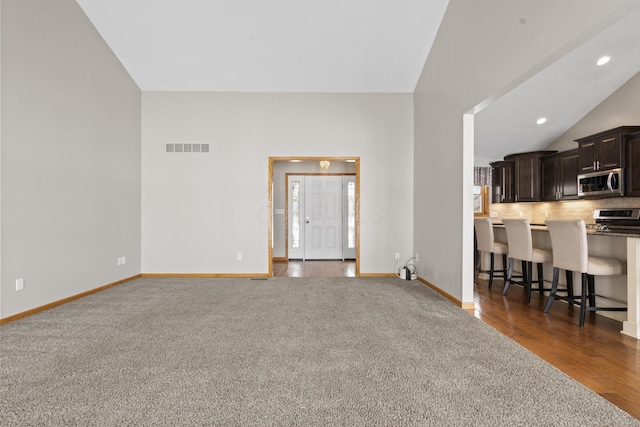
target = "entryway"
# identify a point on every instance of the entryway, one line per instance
(327, 218)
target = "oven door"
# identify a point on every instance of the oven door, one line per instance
(601, 184)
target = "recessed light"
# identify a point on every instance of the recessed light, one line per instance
(603, 60)
(541, 120)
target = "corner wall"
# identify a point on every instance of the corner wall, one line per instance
(70, 161)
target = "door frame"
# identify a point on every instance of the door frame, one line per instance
(356, 160)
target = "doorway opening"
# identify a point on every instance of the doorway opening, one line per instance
(318, 235)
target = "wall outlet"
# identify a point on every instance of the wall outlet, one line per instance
(19, 284)
(417, 258)
(124, 260)
(546, 214)
(397, 255)
(520, 214)
(239, 256)
(493, 214)
(119, 261)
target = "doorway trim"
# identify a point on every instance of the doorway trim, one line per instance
(313, 159)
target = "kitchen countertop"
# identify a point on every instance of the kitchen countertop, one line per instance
(590, 230)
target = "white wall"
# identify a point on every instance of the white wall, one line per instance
(482, 50)
(70, 160)
(199, 210)
(622, 108)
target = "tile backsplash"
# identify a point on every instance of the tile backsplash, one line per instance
(538, 212)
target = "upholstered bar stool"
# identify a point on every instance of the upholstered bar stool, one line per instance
(570, 252)
(521, 248)
(486, 243)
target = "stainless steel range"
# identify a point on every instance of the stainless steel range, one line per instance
(621, 220)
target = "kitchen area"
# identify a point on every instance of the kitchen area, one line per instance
(598, 182)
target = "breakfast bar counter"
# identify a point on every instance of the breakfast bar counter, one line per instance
(615, 243)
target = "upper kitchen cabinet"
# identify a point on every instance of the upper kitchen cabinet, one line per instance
(502, 182)
(527, 175)
(560, 176)
(633, 164)
(603, 150)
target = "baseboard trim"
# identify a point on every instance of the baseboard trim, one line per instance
(456, 301)
(280, 259)
(224, 275)
(64, 300)
(377, 275)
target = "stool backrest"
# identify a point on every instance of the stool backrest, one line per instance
(569, 244)
(519, 238)
(484, 234)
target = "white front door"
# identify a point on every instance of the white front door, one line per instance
(323, 217)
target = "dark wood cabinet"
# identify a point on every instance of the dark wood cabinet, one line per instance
(502, 182)
(527, 175)
(560, 176)
(604, 150)
(632, 184)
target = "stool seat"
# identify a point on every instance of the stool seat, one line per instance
(500, 248)
(599, 266)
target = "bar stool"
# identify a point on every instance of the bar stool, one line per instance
(521, 247)
(571, 253)
(485, 243)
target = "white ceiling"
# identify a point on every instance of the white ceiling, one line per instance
(270, 46)
(335, 46)
(563, 93)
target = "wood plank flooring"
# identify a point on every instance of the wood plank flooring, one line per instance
(598, 355)
(314, 269)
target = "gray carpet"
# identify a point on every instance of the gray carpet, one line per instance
(281, 352)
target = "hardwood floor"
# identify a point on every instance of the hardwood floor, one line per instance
(598, 355)
(314, 269)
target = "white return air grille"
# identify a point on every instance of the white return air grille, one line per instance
(187, 148)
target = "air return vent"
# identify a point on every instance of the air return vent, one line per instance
(187, 148)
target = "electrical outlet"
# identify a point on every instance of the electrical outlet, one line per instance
(397, 255)
(493, 214)
(19, 284)
(417, 258)
(546, 214)
(239, 256)
(520, 214)
(119, 261)
(124, 260)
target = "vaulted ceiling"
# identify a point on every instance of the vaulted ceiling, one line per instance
(338, 46)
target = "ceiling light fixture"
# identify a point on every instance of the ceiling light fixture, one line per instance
(541, 120)
(324, 164)
(603, 60)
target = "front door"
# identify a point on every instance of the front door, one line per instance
(323, 217)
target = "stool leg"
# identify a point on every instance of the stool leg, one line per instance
(569, 275)
(478, 263)
(592, 290)
(504, 267)
(529, 268)
(491, 272)
(554, 289)
(540, 279)
(583, 299)
(509, 275)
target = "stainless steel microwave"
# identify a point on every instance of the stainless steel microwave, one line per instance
(607, 183)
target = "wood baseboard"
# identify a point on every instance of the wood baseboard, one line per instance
(65, 300)
(377, 275)
(464, 305)
(280, 259)
(223, 275)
